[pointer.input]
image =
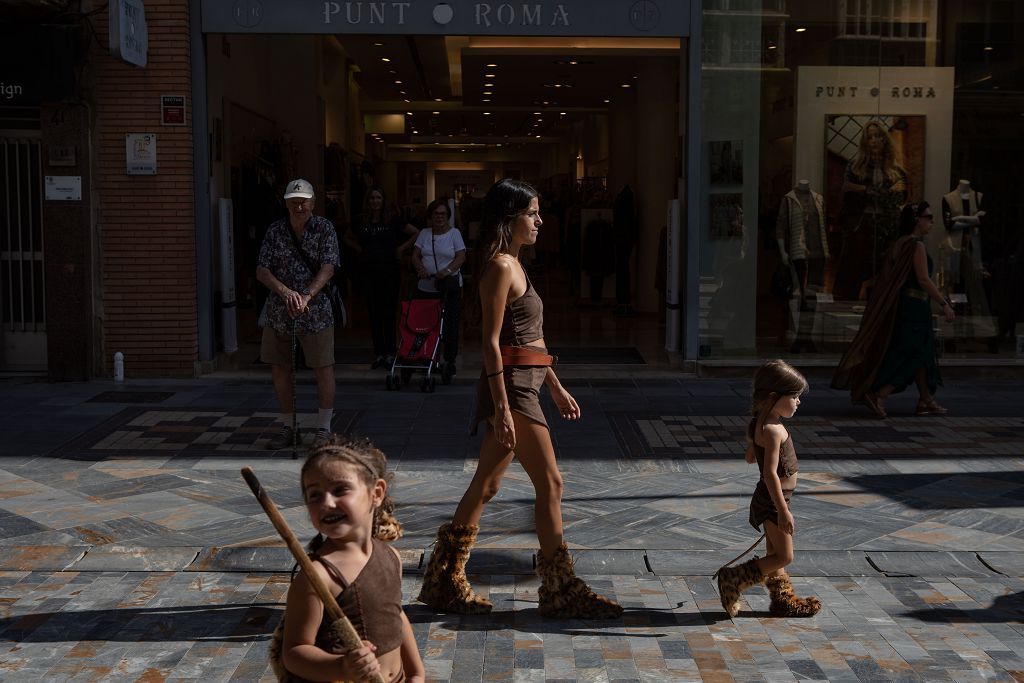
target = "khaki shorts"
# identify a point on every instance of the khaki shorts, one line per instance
(318, 347)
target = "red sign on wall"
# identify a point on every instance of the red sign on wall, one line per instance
(172, 110)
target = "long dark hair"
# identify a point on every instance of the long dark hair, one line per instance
(367, 212)
(506, 199)
(909, 216)
(772, 381)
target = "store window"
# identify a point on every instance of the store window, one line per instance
(821, 122)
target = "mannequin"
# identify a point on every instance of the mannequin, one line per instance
(803, 243)
(962, 214)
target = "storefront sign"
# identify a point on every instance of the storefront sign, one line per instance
(172, 110)
(63, 188)
(669, 18)
(129, 38)
(140, 151)
(852, 92)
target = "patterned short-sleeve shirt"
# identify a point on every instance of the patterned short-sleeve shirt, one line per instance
(278, 255)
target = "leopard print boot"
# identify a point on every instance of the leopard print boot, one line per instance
(445, 586)
(275, 653)
(785, 603)
(732, 581)
(563, 595)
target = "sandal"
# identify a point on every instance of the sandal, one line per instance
(875, 404)
(930, 407)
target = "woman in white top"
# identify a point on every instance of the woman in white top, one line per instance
(437, 257)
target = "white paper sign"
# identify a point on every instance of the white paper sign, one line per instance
(63, 188)
(140, 151)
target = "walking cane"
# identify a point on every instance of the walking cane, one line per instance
(339, 622)
(295, 363)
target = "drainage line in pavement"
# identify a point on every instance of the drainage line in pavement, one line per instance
(982, 560)
(893, 575)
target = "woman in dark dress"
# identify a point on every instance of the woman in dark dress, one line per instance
(379, 242)
(895, 345)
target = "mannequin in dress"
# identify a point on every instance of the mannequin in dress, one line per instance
(964, 219)
(800, 233)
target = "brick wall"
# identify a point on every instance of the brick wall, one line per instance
(146, 223)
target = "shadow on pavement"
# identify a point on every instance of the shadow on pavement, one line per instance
(230, 623)
(1005, 609)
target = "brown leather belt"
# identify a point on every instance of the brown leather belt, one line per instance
(524, 356)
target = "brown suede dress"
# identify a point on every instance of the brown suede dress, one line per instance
(522, 323)
(762, 507)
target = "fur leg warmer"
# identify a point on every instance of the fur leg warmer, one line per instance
(445, 586)
(785, 603)
(563, 595)
(732, 581)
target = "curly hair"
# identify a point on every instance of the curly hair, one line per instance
(372, 465)
(890, 162)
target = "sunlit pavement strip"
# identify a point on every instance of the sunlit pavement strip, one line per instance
(132, 550)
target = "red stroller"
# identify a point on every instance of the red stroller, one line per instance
(420, 334)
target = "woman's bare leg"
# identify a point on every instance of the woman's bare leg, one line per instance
(494, 461)
(537, 456)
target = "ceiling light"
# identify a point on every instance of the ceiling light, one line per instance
(488, 85)
(378, 44)
(407, 100)
(385, 59)
(988, 48)
(487, 113)
(393, 72)
(538, 137)
(488, 92)
(573, 62)
(561, 113)
(771, 47)
(801, 29)
(398, 82)
(401, 92)
(626, 85)
(558, 85)
(435, 113)
(491, 66)
(408, 113)
(488, 75)
(545, 102)
(486, 99)
(536, 113)
(437, 99)
(607, 101)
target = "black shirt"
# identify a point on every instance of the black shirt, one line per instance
(379, 241)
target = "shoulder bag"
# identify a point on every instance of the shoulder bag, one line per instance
(330, 289)
(443, 284)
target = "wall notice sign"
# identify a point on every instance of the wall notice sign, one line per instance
(172, 110)
(140, 150)
(63, 188)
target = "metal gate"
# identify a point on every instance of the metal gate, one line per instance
(21, 256)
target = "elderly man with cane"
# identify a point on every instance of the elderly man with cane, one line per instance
(297, 260)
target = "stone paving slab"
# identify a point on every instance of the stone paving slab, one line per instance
(1008, 564)
(40, 557)
(824, 563)
(113, 558)
(928, 564)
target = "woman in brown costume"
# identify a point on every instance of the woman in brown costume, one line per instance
(516, 365)
(895, 345)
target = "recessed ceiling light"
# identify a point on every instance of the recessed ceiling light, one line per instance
(408, 113)
(491, 66)
(561, 113)
(626, 85)
(435, 113)
(545, 102)
(801, 29)
(401, 92)
(536, 113)
(488, 75)
(487, 113)
(407, 100)
(771, 47)
(538, 137)
(437, 99)
(392, 71)
(498, 145)
(397, 82)
(378, 44)
(558, 85)
(486, 99)
(385, 59)
(607, 101)
(488, 85)
(573, 62)
(988, 48)
(488, 92)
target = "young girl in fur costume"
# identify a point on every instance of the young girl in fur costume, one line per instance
(777, 391)
(345, 486)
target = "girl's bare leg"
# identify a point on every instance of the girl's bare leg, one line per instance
(778, 548)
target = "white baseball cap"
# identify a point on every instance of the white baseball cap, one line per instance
(299, 188)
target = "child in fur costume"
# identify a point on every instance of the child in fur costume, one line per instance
(345, 486)
(777, 391)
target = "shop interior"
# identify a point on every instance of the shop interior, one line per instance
(428, 117)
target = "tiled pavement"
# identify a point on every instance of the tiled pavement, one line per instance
(130, 549)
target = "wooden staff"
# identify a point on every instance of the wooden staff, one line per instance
(339, 622)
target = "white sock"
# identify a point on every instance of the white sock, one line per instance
(324, 417)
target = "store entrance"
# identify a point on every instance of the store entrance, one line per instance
(424, 118)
